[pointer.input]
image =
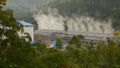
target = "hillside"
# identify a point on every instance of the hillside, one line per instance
(24, 9)
(99, 9)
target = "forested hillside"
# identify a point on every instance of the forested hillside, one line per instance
(24, 9)
(99, 9)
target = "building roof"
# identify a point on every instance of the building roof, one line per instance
(52, 44)
(26, 24)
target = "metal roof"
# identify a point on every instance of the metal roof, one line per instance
(26, 24)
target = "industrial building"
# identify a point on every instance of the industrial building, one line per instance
(47, 36)
(28, 28)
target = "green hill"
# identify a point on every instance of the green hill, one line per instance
(99, 9)
(24, 9)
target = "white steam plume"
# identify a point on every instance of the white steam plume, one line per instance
(52, 20)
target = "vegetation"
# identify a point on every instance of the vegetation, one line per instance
(15, 52)
(102, 55)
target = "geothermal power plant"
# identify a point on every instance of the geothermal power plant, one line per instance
(53, 25)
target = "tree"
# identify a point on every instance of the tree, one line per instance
(58, 43)
(8, 26)
(15, 52)
(76, 40)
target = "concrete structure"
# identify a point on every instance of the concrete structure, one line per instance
(29, 28)
(51, 35)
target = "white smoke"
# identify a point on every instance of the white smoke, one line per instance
(52, 20)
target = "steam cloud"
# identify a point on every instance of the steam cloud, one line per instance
(52, 20)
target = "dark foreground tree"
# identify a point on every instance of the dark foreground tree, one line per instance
(15, 52)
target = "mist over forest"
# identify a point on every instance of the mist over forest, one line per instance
(24, 9)
(97, 9)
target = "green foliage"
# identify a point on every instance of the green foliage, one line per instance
(58, 43)
(53, 60)
(17, 57)
(102, 55)
(76, 40)
(15, 52)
